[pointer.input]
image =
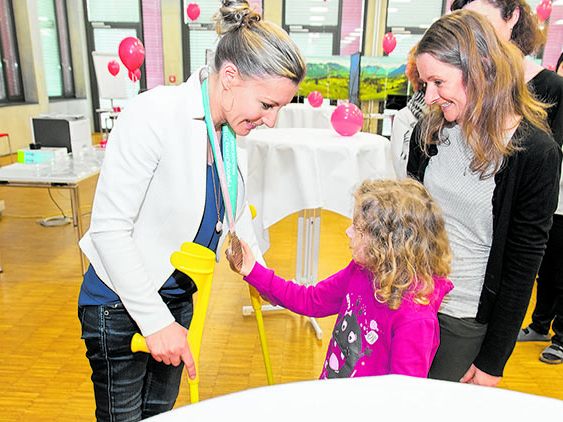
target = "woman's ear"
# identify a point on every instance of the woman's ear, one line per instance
(229, 75)
(513, 20)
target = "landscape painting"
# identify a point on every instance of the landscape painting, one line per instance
(379, 77)
(328, 75)
(382, 76)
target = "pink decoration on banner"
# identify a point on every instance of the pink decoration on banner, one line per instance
(193, 11)
(315, 98)
(113, 67)
(389, 42)
(543, 10)
(347, 119)
(131, 53)
(135, 75)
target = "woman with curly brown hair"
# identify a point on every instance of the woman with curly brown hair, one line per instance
(388, 296)
(486, 155)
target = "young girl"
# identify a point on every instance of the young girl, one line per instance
(387, 298)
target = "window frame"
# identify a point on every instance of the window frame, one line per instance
(90, 25)
(68, 90)
(410, 30)
(195, 26)
(335, 30)
(13, 34)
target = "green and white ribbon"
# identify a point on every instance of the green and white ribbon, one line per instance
(225, 162)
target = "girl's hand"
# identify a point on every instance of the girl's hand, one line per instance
(247, 262)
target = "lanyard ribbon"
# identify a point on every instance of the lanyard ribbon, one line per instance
(227, 169)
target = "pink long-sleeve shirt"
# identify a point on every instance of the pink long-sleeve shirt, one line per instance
(368, 337)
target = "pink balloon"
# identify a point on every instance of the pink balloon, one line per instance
(389, 42)
(193, 11)
(347, 119)
(131, 53)
(135, 75)
(113, 67)
(315, 98)
(543, 10)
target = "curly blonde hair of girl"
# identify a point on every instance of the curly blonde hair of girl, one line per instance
(405, 239)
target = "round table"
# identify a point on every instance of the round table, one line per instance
(292, 169)
(382, 398)
(304, 115)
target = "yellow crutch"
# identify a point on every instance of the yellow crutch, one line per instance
(256, 303)
(198, 262)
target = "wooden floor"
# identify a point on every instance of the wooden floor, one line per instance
(44, 374)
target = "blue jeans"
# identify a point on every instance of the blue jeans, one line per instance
(128, 386)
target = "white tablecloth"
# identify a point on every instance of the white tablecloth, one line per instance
(383, 398)
(304, 115)
(294, 169)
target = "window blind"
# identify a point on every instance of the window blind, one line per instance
(312, 12)
(200, 41)
(400, 13)
(313, 43)
(201, 33)
(50, 47)
(113, 11)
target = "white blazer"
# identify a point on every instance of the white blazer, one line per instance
(150, 198)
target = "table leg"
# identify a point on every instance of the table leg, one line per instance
(77, 221)
(308, 243)
(307, 261)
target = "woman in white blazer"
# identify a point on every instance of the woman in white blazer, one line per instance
(159, 187)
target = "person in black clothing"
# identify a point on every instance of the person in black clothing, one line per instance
(514, 21)
(485, 153)
(548, 311)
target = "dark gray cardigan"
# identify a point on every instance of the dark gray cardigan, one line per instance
(524, 200)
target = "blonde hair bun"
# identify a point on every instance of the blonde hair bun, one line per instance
(233, 15)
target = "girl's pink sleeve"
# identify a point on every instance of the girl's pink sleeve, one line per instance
(319, 300)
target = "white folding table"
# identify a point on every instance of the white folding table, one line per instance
(62, 174)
